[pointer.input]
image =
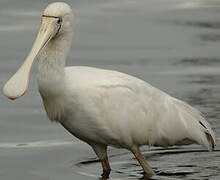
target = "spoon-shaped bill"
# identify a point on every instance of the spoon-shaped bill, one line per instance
(17, 85)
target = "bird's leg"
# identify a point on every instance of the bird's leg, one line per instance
(147, 169)
(106, 167)
(101, 152)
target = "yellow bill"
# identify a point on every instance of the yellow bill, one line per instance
(17, 85)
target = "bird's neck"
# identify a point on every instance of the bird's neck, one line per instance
(51, 66)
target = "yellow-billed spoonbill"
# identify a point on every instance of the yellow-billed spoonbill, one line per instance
(103, 107)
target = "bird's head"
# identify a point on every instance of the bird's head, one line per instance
(57, 21)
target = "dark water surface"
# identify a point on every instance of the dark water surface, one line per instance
(172, 44)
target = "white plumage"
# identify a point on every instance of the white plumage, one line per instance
(103, 107)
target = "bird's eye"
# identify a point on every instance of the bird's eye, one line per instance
(59, 20)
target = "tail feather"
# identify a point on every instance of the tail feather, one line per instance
(211, 141)
(201, 131)
(209, 135)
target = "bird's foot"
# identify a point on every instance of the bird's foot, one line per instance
(105, 174)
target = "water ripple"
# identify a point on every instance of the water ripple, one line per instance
(36, 144)
(13, 28)
(124, 165)
(198, 4)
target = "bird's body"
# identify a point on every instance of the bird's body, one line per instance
(125, 111)
(104, 107)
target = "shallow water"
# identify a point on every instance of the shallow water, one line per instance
(172, 44)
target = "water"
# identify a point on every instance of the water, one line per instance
(172, 44)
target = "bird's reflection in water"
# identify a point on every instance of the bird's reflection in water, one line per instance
(102, 178)
(144, 177)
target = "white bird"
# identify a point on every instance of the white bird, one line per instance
(104, 107)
